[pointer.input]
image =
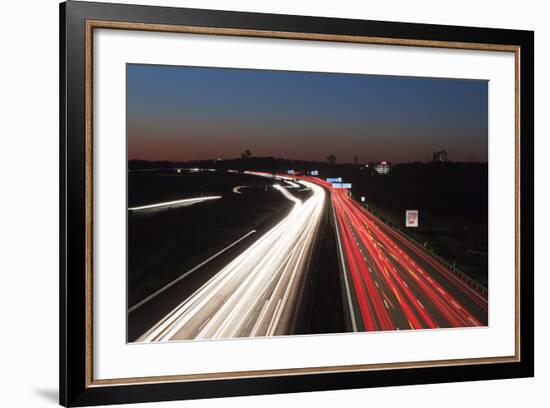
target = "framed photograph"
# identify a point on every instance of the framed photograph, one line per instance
(255, 203)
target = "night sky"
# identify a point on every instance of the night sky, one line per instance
(195, 113)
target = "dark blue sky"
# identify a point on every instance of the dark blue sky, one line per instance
(191, 113)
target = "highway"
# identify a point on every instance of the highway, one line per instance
(257, 292)
(390, 283)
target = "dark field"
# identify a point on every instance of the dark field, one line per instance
(452, 199)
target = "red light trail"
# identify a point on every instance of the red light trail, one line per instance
(393, 283)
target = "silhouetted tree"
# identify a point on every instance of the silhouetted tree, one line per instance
(331, 159)
(246, 154)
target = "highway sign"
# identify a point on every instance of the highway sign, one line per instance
(341, 185)
(290, 172)
(411, 218)
(335, 180)
(314, 172)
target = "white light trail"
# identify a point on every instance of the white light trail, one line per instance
(176, 203)
(255, 294)
(293, 184)
(189, 272)
(259, 174)
(287, 194)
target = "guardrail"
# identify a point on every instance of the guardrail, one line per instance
(474, 284)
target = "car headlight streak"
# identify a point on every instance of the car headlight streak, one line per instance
(256, 293)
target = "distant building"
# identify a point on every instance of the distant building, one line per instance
(382, 167)
(440, 156)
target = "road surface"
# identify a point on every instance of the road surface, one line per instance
(256, 293)
(390, 283)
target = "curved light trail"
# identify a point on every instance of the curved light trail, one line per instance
(255, 294)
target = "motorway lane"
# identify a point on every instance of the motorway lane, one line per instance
(165, 244)
(256, 293)
(145, 314)
(392, 283)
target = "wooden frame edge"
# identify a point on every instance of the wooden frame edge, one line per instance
(89, 206)
(105, 24)
(291, 35)
(232, 375)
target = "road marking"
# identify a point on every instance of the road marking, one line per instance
(204, 324)
(420, 303)
(274, 320)
(397, 296)
(259, 320)
(187, 201)
(348, 294)
(388, 300)
(237, 190)
(386, 304)
(189, 272)
(290, 284)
